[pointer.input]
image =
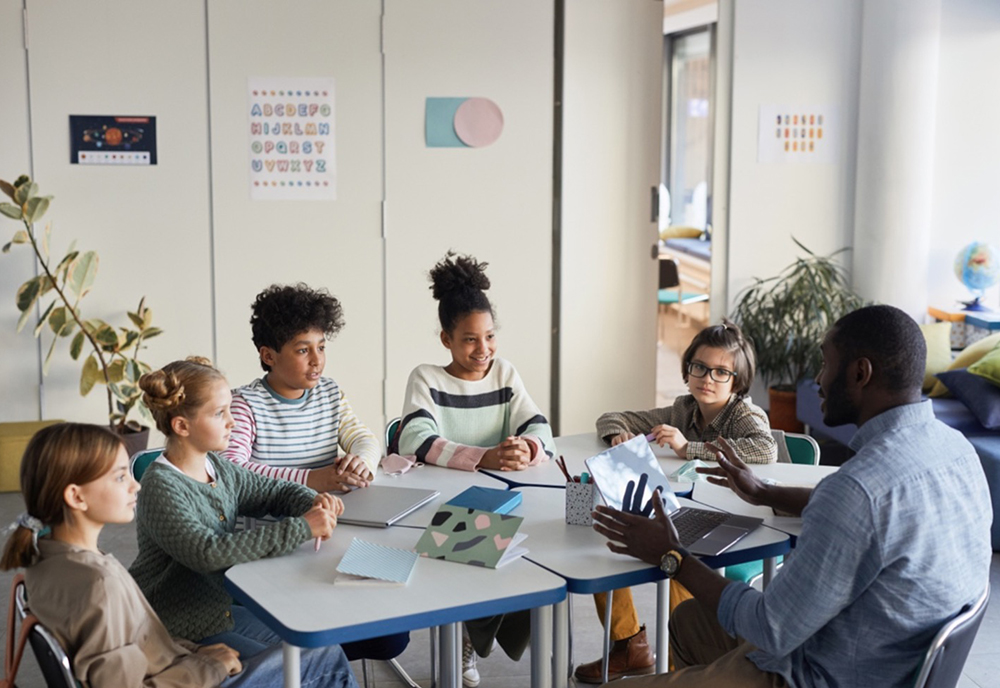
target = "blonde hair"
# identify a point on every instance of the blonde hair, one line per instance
(56, 457)
(177, 389)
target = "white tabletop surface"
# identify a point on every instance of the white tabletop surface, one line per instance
(576, 449)
(295, 595)
(581, 555)
(791, 474)
(448, 481)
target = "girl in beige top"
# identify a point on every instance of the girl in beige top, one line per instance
(75, 479)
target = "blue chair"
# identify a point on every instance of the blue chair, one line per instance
(141, 460)
(945, 659)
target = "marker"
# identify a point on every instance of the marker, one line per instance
(584, 477)
(650, 437)
(319, 541)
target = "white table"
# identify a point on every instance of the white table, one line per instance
(448, 481)
(296, 597)
(581, 556)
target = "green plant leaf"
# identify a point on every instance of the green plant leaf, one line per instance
(132, 371)
(147, 314)
(57, 321)
(65, 263)
(106, 336)
(116, 370)
(7, 188)
(48, 356)
(76, 346)
(44, 317)
(25, 191)
(136, 320)
(27, 294)
(46, 240)
(36, 207)
(151, 332)
(10, 210)
(90, 376)
(82, 272)
(131, 337)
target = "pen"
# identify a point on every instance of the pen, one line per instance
(319, 541)
(561, 462)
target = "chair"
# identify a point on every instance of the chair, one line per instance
(141, 460)
(945, 659)
(390, 434)
(672, 294)
(49, 654)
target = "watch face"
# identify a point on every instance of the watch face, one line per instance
(670, 563)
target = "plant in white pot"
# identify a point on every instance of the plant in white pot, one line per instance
(113, 358)
(787, 316)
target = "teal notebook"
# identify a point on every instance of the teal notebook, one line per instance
(487, 499)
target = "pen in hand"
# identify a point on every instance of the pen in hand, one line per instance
(319, 541)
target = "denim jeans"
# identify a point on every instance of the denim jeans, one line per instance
(261, 654)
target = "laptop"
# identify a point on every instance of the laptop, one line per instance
(702, 531)
(379, 506)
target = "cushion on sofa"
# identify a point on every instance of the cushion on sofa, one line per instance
(938, 338)
(967, 357)
(978, 394)
(988, 366)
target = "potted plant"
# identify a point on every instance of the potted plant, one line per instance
(113, 358)
(786, 317)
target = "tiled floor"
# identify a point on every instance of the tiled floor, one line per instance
(497, 671)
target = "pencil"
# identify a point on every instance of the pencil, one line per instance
(561, 462)
(319, 541)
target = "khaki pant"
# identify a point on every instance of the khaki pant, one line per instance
(624, 619)
(705, 656)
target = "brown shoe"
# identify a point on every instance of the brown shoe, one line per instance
(629, 657)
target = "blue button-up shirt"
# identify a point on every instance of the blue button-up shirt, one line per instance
(893, 545)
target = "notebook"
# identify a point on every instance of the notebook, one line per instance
(471, 536)
(365, 560)
(487, 499)
(631, 467)
(380, 506)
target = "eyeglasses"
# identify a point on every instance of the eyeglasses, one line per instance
(718, 374)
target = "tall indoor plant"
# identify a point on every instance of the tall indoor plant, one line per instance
(787, 316)
(113, 358)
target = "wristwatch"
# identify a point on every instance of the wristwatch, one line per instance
(670, 563)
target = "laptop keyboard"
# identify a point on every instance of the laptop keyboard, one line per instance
(693, 524)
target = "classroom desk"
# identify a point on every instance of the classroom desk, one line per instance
(448, 481)
(296, 597)
(581, 556)
(576, 449)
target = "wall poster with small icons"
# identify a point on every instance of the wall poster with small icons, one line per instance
(291, 142)
(112, 140)
(798, 134)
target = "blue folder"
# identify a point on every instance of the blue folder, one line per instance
(487, 499)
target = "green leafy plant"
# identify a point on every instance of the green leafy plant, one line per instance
(114, 352)
(787, 316)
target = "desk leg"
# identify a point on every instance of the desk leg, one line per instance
(450, 643)
(770, 568)
(607, 636)
(292, 656)
(541, 647)
(662, 632)
(560, 644)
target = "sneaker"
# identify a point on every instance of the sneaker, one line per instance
(470, 674)
(629, 657)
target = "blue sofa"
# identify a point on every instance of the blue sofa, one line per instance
(950, 411)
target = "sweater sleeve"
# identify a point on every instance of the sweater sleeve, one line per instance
(165, 511)
(635, 422)
(241, 442)
(258, 495)
(356, 438)
(748, 431)
(106, 659)
(526, 420)
(420, 435)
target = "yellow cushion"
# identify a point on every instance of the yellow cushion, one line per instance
(969, 355)
(988, 366)
(938, 338)
(680, 232)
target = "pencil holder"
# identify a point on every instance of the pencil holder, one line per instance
(579, 503)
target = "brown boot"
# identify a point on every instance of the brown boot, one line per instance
(629, 657)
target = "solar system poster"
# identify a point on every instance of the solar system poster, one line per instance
(112, 140)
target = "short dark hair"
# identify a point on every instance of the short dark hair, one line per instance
(887, 337)
(459, 284)
(730, 339)
(281, 311)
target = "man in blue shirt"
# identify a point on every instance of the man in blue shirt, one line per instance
(893, 544)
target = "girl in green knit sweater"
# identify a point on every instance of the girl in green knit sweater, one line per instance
(187, 511)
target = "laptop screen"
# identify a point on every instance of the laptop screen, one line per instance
(614, 468)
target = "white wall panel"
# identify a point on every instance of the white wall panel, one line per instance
(332, 244)
(493, 202)
(150, 225)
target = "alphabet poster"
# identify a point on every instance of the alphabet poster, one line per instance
(292, 142)
(797, 134)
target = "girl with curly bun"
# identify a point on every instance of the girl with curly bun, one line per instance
(190, 501)
(473, 413)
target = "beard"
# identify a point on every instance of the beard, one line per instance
(838, 408)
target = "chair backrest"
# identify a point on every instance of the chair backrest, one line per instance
(802, 448)
(141, 461)
(945, 659)
(49, 654)
(390, 435)
(669, 277)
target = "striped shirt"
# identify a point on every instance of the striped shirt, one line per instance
(742, 424)
(452, 422)
(283, 438)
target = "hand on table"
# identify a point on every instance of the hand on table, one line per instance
(332, 479)
(321, 521)
(350, 464)
(513, 454)
(669, 435)
(624, 436)
(733, 473)
(330, 502)
(224, 655)
(644, 538)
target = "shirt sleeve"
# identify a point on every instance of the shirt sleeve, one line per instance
(839, 546)
(748, 431)
(635, 422)
(107, 659)
(241, 442)
(420, 436)
(356, 438)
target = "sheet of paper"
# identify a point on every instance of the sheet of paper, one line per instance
(370, 560)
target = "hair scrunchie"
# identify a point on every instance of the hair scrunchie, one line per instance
(37, 528)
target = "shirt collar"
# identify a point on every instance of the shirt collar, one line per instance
(896, 417)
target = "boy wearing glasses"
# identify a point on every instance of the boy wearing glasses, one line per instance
(718, 368)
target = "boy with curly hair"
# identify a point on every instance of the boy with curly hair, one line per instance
(290, 423)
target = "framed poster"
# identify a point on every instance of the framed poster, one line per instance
(112, 140)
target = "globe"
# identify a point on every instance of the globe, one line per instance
(977, 266)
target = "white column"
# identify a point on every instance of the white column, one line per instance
(900, 45)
